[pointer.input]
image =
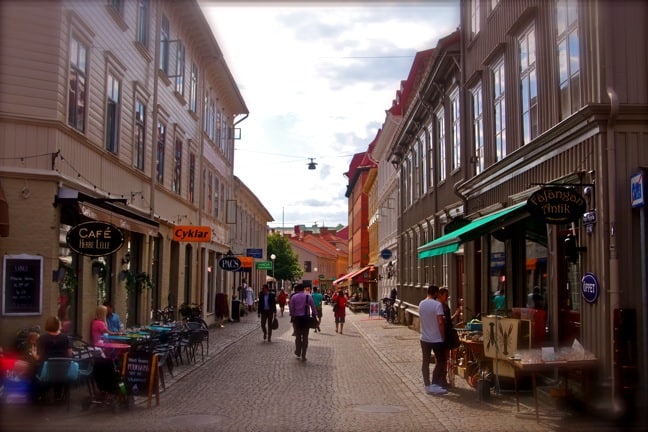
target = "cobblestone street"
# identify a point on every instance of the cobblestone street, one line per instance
(365, 379)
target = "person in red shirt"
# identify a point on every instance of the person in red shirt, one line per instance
(339, 302)
(282, 297)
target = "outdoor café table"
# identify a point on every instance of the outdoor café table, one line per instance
(113, 350)
(530, 362)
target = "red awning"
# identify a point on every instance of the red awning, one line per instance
(350, 275)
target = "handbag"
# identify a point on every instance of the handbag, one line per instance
(336, 306)
(453, 338)
(275, 324)
(311, 321)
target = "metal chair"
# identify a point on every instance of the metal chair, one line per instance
(58, 372)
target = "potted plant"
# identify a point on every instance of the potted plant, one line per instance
(136, 281)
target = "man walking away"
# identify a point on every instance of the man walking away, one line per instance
(267, 311)
(432, 320)
(301, 306)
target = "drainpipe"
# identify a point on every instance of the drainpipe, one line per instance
(612, 199)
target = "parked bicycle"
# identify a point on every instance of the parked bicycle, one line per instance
(390, 311)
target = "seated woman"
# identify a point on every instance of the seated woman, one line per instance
(52, 344)
(99, 327)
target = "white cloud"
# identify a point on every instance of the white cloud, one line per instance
(317, 80)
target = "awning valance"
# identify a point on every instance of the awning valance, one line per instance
(92, 211)
(350, 275)
(450, 242)
(4, 214)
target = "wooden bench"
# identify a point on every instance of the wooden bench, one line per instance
(358, 306)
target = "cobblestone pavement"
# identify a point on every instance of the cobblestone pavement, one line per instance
(365, 379)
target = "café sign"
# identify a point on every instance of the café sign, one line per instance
(557, 204)
(229, 263)
(95, 239)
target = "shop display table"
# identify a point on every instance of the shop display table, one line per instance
(530, 362)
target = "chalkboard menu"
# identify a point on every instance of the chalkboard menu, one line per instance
(22, 285)
(141, 372)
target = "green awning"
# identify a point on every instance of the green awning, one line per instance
(450, 242)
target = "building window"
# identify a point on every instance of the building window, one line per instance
(118, 6)
(423, 158)
(140, 134)
(416, 185)
(192, 178)
(223, 134)
(217, 132)
(210, 192)
(441, 142)
(193, 89)
(113, 89)
(478, 129)
(568, 56)
(431, 154)
(165, 36)
(77, 89)
(308, 265)
(143, 22)
(177, 167)
(493, 4)
(455, 119)
(217, 198)
(528, 85)
(161, 143)
(475, 23)
(499, 108)
(180, 69)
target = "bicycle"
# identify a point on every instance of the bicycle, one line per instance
(390, 312)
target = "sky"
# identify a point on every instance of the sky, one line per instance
(317, 78)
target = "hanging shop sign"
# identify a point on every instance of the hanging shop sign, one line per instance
(385, 254)
(455, 224)
(590, 287)
(557, 205)
(229, 263)
(95, 239)
(190, 233)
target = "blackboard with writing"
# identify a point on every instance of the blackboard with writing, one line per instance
(140, 371)
(22, 285)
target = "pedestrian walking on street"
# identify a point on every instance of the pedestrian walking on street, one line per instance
(267, 311)
(282, 297)
(317, 298)
(339, 302)
(300, 303)
(249, 297)
(432, 324)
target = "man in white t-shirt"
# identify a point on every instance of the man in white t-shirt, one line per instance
(432, 321)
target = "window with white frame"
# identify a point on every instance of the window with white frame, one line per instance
(478, 129)
(568, 56)
(77, 84)
(475, 23)
(143, 22)
(165, 38)
(209, 202)
(431, 154)
(113, 91)
(441, 142)
(420, 141)
(217, 133)
(192, 178)
(140, 134)
(499, 109)
(176, 180)
(415, 173)
(455, 120)
(180, 69)
(161, 144)
(193, 89)
(528, 84)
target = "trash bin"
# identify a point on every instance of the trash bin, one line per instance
(236, 310)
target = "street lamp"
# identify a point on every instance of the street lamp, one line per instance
(273, 257)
